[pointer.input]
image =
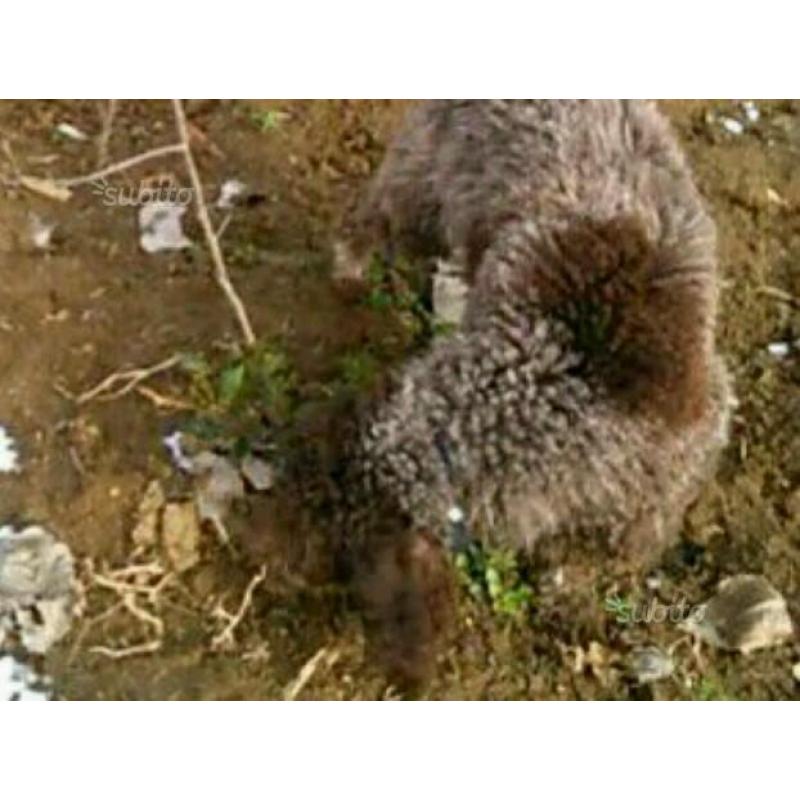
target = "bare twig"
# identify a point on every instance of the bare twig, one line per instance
(778, 294)
(307, 671)
(105, 134)
(143, 649)
(220, 269)
(224, 640)
(223, 226)
(162, 401)
(128, 583)
(130, 379)
(133, 161)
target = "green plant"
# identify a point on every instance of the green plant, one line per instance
(494, 576)
(710, 689)
(397, 290)
(261, 380)
(268, 120)
(358, 369)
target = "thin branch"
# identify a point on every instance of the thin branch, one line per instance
(130, 379)
(330, 657)
(224, 640)
(220, 269)
(157, 152)
(105, 134)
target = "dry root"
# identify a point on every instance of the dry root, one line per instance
(225, 639)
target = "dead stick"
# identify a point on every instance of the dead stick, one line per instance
(105, 134)
(220, 269)
(225, 637)
(157, 152)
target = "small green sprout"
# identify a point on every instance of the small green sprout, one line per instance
(268, 120)
(493, 576)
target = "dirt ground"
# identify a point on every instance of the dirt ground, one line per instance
(93, 303)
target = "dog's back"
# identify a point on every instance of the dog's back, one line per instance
(583, 390)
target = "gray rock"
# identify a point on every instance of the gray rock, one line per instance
(38, 589)
(747, 613)
(650, 664)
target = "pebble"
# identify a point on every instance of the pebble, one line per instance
(751, 111)
(778, 349)
(258, 473)
(732, 126)
(650, 664)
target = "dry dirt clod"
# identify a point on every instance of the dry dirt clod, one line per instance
(38, 588)
(747, 613)
(181, 535)
(145, 534)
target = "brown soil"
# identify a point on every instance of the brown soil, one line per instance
(95, 303)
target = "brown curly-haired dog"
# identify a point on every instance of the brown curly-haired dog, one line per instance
(581, 392)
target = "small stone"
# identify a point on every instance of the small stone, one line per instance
(732, 126)
(160, 227)
(653, 582)
(751, 111)
(145, 533)
(229, 191)
(180, 535)
(71, 132)
(258, 473)
(778, 349)
(217, 484)
(747, 613)
(796, 671)
(650, 664)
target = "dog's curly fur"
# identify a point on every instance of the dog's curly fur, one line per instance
(582, 391)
